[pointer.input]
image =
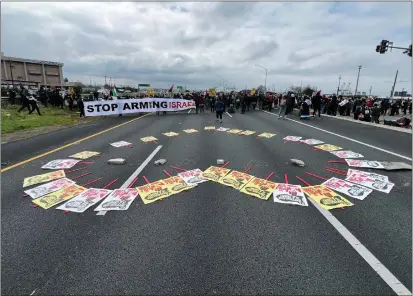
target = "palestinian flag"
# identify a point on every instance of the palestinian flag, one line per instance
(172, 88)
(114, 92)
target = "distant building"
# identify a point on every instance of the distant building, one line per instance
(31, 72)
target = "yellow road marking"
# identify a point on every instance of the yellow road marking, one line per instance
(70, 144)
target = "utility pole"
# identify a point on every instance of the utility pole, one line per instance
(265, 83)
(370, 91)
(394, 85)
(338, 86)
(357, 83)
(11, 73)
(105, 80)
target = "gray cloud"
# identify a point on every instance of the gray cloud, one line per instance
(193, 43)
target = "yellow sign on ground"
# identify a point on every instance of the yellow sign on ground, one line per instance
(326, 197)
(49, 200)
(171, 134)
(153, 191)
(214, 173)
(236, 179)
(176, 184)
(209, 128)
(84, 154)
(259, 188)
(149, 139)
(247, 133)
(190, 131)
(234, 131)
(33, 180)
(266, 135)
(328, 147)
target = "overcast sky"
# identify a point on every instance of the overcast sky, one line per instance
(194, 44)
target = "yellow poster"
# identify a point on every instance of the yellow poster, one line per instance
(49, 200)
(247, 133)
(326, 197)
(149, 139)
(153, 191)
(260, 188)
(171, 134)
(236, 179)
(150, 92)
(176, 184)
(328, 147)
(84, 154)
(214, 173)
(190, 131)
(266, 135)
(209, 128)
(253, 90)
(234, 131)
(33, 180)
(212, 92)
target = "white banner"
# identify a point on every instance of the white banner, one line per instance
(116, 107)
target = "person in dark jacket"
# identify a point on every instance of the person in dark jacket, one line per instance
(219, 108)
(317, 100)
(81, 107)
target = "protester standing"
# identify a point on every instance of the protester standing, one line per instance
(219, 108)
(283, 107)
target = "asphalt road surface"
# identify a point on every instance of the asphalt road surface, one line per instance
(211, 239)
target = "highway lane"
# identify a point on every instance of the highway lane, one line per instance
(211, 239)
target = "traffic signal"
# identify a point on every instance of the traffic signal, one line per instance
(383, 46)
(409, 52)
(378, 48)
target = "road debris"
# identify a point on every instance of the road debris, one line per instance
(220, 161)
(160, 161)
(117, 161)
(297, 162)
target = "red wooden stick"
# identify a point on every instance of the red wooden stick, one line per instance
(146, 180)
(225, 164)
(81, 176)
(338, 170)
(91, 182)
(286, 178)
(75, 170)
(336, 161)
(335, 172)
(155, 142)
(247, 170)
(86, 162)
(110, 183)
(133, 182)
(304, 181)
(178, 169)
(269, 176)
(166, 173)
(317, 176)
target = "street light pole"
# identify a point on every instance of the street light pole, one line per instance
(370, 90)
(357, 83)
(338, 86)
(265, 83)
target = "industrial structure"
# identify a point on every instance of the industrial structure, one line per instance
(16, 71)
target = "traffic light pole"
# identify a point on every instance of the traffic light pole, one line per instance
(357, 83)
(394, 85)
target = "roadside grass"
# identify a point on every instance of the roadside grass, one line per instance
(11, 121)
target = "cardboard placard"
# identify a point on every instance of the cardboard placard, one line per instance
(290, 194)
(120, 144)
(192, 177)
(148, 139)
(153, 191)
(292, 138)
(235, 179)
(328, 147)
(368, 174)
(266, 135)
(175, 185)
(326, 198)
(222, 129)
(358, 163)
(171, 134)
(347, 188)
(190, 131)
(84, 201)
(234, 131)
(33, 180)
(312, 142)
(47, 188)
(259, 188)
(118, 200)
(49, 200)
(209, 128)
(247, 133)
(214, 173)
(346, 154)
(84, 154)
(59, 164)
(371, 182)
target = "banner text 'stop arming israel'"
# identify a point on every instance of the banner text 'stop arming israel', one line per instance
(115, 107)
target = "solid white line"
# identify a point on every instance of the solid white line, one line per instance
(228, 114)
(189, 110)
(378, 267)
(347, 138)
(135, 174)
